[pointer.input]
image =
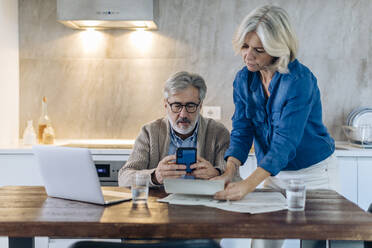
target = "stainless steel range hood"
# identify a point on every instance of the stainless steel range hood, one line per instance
(108, 14)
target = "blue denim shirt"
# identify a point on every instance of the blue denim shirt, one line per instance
(287, 127)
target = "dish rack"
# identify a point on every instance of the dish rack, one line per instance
(360, 136)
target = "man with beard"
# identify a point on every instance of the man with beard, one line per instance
(155, 147)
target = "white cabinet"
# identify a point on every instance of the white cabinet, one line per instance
(348, 168)
(364, 182)
(19, 169)
(356, 179)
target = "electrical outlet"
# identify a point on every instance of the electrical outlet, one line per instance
(213, 112)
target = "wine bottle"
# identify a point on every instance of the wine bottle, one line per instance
(44, 120)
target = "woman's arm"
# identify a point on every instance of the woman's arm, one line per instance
(232, 166)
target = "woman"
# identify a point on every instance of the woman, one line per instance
(277, 104)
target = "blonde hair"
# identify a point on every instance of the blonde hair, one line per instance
(272, 26)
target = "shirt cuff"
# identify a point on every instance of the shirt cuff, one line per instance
(236, 153)
(153, 181)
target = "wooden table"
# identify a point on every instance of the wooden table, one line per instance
(26, 212)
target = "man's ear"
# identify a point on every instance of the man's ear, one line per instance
(165, 103)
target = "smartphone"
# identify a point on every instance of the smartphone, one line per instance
(186, 156)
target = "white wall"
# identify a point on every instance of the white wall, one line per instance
(9, 72)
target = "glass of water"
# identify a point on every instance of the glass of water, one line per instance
(140, 188)
(296, 195)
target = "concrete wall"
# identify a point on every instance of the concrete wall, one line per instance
(9, 72)
(107, 84)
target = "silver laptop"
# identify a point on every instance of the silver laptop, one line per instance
(70, 173)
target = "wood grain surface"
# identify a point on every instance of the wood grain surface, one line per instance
(26, 211)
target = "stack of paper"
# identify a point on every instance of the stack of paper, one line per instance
(193, 186)
(255, 202)
(200, 192)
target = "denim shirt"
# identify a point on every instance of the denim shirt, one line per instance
(287, 128)
(176, 141)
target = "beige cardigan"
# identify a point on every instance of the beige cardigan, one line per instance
(152, 145)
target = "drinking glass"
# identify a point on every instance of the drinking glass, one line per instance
(140, 188)
(296, 195)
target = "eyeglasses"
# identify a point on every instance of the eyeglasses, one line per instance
(177, 107)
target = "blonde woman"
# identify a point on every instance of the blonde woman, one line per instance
(278, 106)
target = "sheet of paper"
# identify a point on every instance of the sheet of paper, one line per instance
(193, 186)
(255, 202)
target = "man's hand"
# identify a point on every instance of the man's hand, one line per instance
(203, 169)
(167, 168)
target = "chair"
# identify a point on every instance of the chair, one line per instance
(193, 243)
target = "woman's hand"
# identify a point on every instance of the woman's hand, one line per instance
(203, 169)
(234, 191)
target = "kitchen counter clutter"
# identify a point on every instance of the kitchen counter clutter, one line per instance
(345, 149)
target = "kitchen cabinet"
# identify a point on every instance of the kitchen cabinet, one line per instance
(355, 179)
(19, 169)
(348, 168)
(364, 182)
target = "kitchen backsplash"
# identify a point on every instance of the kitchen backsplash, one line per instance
(107, 84)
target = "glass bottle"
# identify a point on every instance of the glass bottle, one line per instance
(44, 120)
(29, 135)
(48, 135)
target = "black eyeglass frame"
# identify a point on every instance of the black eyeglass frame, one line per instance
(196, 105)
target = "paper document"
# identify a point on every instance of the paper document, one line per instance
(193, 186)
(255, 202)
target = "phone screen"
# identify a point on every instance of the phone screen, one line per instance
(186, 156)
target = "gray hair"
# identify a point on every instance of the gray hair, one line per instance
(271, 23)
(183, 79)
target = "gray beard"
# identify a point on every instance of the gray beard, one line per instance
(181, 130)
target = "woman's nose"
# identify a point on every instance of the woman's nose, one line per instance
(249, 53)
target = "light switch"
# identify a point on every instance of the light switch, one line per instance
(213, 112)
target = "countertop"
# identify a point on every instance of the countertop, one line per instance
(96, 146)
(124, 146)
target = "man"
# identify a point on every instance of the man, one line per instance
(155, 147)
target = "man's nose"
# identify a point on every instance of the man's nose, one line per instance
(184, 112)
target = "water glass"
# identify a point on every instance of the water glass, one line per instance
(296, 195)
(140, 188)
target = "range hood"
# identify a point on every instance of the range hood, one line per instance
(108, 14)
